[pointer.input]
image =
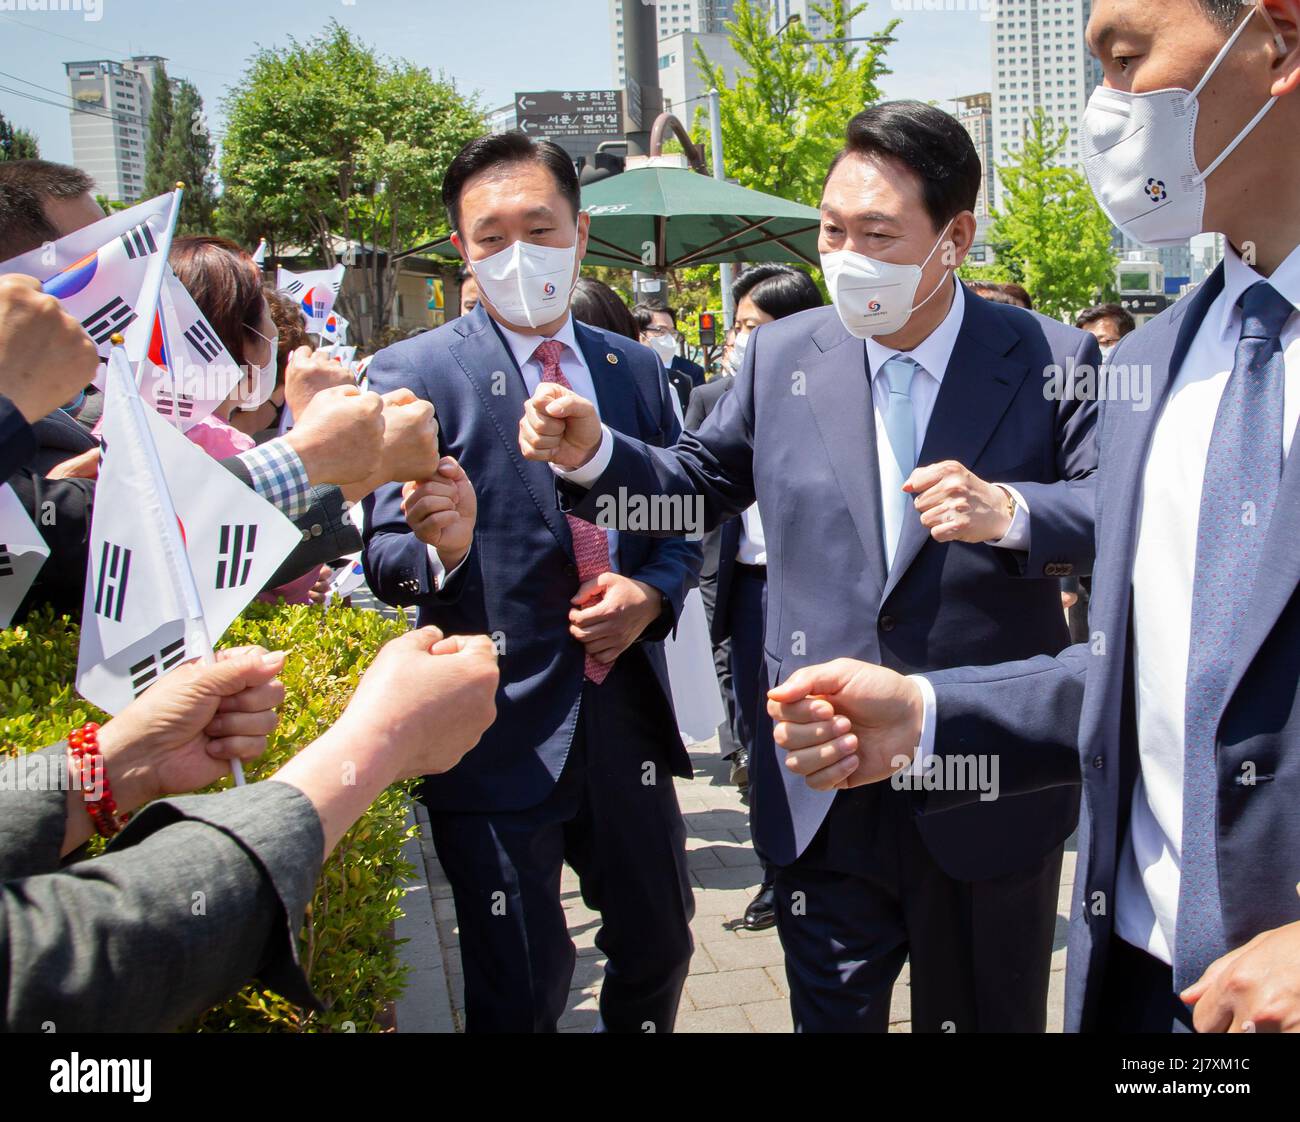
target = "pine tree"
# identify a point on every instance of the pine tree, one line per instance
(157, 180)
(188, 160)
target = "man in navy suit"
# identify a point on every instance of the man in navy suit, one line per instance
(1181, 710)
(579, 765)
(921, 497)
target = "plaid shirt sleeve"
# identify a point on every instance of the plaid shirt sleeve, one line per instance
(279, 477)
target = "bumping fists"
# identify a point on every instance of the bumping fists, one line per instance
(442, 511)
(559, 427)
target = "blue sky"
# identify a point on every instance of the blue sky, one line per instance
(491, 46)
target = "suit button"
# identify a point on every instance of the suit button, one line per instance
(316, 530)
(887, 623)
(1097, 761)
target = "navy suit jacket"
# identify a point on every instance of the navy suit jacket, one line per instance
(1047, 717)
(797, 433)
(520, 574)
(722, 544)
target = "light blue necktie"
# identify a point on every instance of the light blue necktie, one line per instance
(1243, 473)
(900, 426)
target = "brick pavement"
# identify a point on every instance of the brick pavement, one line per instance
(737, 978)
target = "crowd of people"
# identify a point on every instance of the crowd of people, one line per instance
(957, 617)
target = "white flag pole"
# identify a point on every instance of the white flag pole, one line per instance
(178, 561)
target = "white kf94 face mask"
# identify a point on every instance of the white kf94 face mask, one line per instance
(1139, 153)
(527, 284)
(875, 297)
(263, 377)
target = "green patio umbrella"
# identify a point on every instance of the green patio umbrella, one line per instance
(659, 218)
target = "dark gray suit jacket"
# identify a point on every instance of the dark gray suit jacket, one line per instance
(197, 896)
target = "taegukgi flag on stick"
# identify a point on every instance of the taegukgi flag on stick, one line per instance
(107, 275)
(188, 372)
(22, 553)
(259, 255)
(315, 292)
(179, 546)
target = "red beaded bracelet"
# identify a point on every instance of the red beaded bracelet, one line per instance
(83, 743)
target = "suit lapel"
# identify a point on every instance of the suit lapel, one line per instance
(975, 392)
(489, 365)
(613, 376)
(839, 394)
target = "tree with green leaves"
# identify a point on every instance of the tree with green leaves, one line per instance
(161, 113)
(336, 147)
(180, 150)
(784, 117)
(17, 144)
(1050, 235)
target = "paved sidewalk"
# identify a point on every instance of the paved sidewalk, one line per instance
(737, 978)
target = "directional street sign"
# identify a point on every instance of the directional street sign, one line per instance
(559, 114)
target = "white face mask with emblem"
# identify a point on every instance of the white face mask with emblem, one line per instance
(528, 285)
(1139, 153)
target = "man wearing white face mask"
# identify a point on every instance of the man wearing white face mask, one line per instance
(921, 495)
(658, 327)
(579, 765)
(1182, 710)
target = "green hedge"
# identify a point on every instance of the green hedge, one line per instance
(347, 944)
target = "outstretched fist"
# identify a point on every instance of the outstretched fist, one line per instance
(442, 511)
(559, 427)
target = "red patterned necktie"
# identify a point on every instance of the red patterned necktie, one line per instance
(590, 543)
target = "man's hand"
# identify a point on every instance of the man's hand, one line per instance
(609, 613)
(846, 723)
(410, 444)
(442, 512)
(339, 436)
(958, 506)
(46, 357)
(306, 374)
(1255, 988)
(180, 734)
(84, 466)
(424, 702)
(559, 427)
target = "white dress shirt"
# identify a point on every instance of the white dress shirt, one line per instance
(573, 365)
(1164, 567)
(932, 356)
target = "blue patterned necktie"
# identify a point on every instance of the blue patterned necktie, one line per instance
(1243, 472)
(900, 425)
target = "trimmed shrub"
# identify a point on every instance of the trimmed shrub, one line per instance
(347, 945)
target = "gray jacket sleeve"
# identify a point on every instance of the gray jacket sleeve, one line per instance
(197, 896)
(327, 533)
(33, 809)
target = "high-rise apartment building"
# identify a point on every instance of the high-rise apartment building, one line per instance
(975, 112)
(110, 121)
(710, 17)
(1040, 61)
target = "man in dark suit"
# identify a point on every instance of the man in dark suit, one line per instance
(870, 553)
(579, 766)
(1182, 708)
(658, 327)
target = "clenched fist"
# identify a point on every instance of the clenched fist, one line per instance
(306, 374)
(340, 435)
(442, 511)
(956, 505)
(559, 427)
(46, 357)
(846, 723)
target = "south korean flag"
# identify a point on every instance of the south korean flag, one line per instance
(22, 553)
(189, 372)
(100, 272)
(315, 293)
